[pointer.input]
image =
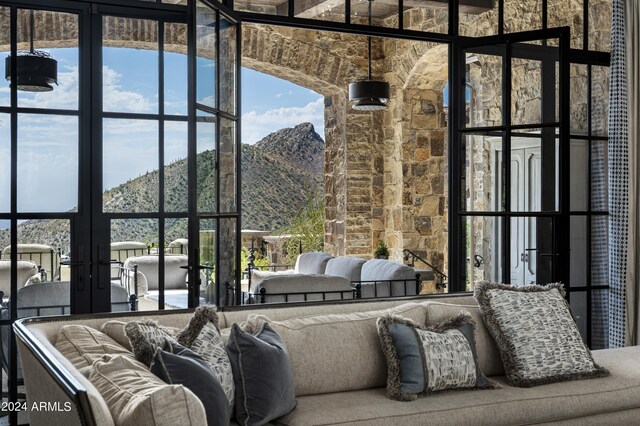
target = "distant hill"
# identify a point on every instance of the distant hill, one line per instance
(278, 173)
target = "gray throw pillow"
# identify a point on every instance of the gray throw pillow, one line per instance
(425, 360)
(202, 336)
(263, 375)
(536, 334)
(177, 365)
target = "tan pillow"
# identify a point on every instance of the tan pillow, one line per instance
(115, 330)
(336, 353)
(136, 397)
(83, 345)
(488, 353)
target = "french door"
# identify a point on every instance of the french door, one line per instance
(165, 210)
(510, 220)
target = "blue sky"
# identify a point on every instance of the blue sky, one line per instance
(47, 153)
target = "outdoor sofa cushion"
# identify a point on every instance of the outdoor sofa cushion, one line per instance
(345, 266)
(314, 262)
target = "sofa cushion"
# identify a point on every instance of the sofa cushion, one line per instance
(334, 353)
(345, 266)
(488, 353)
(262, 372)
(181, 366)
(83, 345)
(202, 336)
(257, 275)
(335, 288)
(136, 397)
(312, 263)
(422, 360)
(402, 277)
(381, 269)
(504, 407)
(538, 338)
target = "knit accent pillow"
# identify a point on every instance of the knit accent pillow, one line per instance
(425, 360)
(536, 334)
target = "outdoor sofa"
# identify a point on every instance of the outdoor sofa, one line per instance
(339, 376)
(320, 276)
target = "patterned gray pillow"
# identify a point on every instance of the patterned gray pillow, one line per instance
(202, 336)
(146, 337)
(424, 360)
(536, 334)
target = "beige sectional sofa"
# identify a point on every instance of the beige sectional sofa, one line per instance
(340, 372)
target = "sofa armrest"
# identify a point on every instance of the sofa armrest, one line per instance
(52, 379)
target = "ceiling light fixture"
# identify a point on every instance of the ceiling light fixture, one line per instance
(36, 69)
(369, 95)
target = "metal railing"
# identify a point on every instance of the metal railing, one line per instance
(410, 257)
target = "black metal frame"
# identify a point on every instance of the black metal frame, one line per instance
(217, 114)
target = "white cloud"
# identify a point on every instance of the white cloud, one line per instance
(117, 99)
(256, 126)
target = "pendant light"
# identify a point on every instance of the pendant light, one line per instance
(36, 69)
(369, 95)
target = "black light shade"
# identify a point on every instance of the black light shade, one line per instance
(36, 71)
(369, 95)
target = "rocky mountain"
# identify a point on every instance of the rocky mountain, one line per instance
(278, 174)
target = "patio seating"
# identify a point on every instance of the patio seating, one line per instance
(178, 246)
(27, 270)
(121, 251)
(140, 273)
(47, 259)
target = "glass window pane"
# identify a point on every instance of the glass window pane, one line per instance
(227, 165)
(578, 305)
(483, 237)
(205, 55)
(578, 100)
(522, 15)
(207, 236)
(383, 14)
(579, 175)
(269, 8)
(63, 93)
(483, 89)
(130, 75)
(599, 101)
(578, 254)
(567, 14)
(599, 176)
(135, 263)
(478, 21)
(599, 319)
(431, 17)
(319, 9)
(531, 249)
(175, 161)
(47, 163)
(228, 69)
(482, 182)
(130, 165)
(5, 163)
(5, 51)
(526, 91)
(206, 170)
(599, 250)
(5, 266)
(600, 25)
(227, 259)
(41, 245)
(175, 69)
(534, 170)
